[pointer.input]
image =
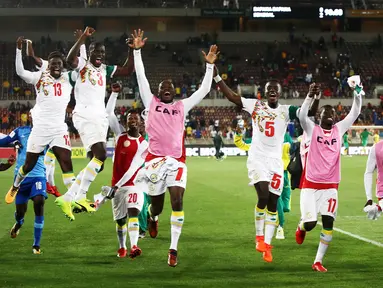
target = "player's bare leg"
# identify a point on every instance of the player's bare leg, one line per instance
(176, 221)
(121, 230)
(155, 209)
(133, 230)
(38, 206)
(64, 159)
(262, 189)
(271, 224)
(21, 209)
(29, 164)
(325, 239)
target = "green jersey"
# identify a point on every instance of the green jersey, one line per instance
(364, 135)
(345, 139)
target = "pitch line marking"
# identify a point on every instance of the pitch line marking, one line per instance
(376, 243)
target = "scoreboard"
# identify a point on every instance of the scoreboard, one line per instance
(287, 12)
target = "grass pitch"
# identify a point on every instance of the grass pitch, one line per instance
(216, 246)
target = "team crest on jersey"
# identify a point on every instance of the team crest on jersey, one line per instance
(44, 81)
(127, 143)
(153, 177)
(87, 72)
(262, 113)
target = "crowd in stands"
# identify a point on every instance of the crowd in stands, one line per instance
(244, 67)
(200, 123)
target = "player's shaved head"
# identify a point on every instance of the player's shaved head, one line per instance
(166, 91)
(96, 53)
(327, 117)
(273, 91)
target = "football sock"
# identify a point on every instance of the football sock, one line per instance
(38, 230)
(68, 179)
(74, 189)
(121, 235)
(281, 214)
(49, 162)
(176, 222)
(19, 177)
(259, 221)
(270, 224)
(19, 220)
(90, 173)
(133, 229)
(325, 239)
(301, 226)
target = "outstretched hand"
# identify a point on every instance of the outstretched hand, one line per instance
(212, 56)
(314, 90)
(138, 39)
(77, 33)
(19, 42)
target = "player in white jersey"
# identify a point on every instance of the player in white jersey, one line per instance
(264, 164)
(50, 158)
(53, 88)
(89, 115)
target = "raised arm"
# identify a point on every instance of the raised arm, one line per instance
(347, 122)
(227, 92)
(137, 162)
(27, 76)
(72, 58)
(10, 138)
(197, 96)
(128, 67)
(314, 106)
(305, 121)
(368, 174)
(110, 106)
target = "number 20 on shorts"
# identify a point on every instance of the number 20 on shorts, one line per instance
(269, 129)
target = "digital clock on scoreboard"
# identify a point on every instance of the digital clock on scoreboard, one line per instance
(287, 12)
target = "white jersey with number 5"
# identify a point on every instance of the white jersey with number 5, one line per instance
(269, 127)
(90, 89)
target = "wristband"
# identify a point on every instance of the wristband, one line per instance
(217, 79)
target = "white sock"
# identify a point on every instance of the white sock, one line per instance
(74, 189)
(270, 224)
(325, 239)
(50, 165)
(176, 222)
(259, 215)
(133, 230)
(121, 235)
(19, 177)
(68, 179)
(89, 174)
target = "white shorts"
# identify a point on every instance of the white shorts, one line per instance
(37, 143)
(261, 168)
(91, 131)
(125, 198)
(171, 177)
(324, 201)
